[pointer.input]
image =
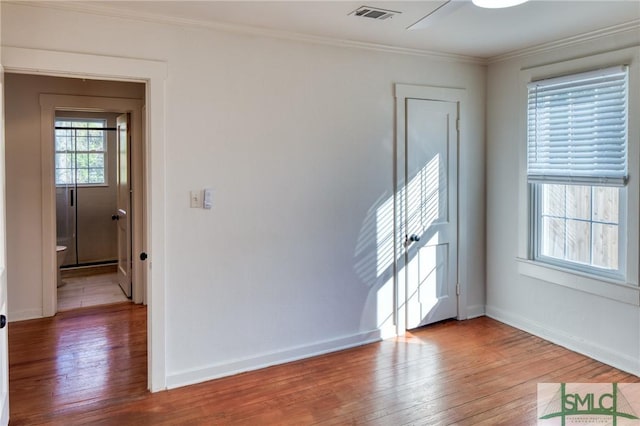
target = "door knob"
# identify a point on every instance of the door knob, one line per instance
(3, 321)
(408, 239)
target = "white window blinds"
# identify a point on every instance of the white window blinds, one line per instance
(577, 128)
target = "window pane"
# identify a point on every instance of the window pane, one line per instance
(578, 241)
(553, 200)
(588, 234)
(82, 176)
(80, 152)
(579, 202)
(96, 160)
(64, 161)
(64, 177)
(605, 246)
(96, 176)
(96, 143)
(82, 161)
(82, 142)
(605, 204)
(552, 237)
(63, 141)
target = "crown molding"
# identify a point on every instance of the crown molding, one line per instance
(631, 26)
(114, 12)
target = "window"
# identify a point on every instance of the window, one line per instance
(577, 169)
(81, 150)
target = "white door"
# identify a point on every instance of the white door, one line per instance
(4, 347)
(430, 211)
(123, 205)
(4, 350)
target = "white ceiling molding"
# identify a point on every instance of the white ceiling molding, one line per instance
(632, 26)
(246, 30)
(96, 9)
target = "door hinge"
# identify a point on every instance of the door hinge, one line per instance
(458, 289)
(457, 124)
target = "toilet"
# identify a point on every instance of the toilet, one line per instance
(61, 252)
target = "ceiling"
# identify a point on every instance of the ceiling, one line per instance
(458, 27)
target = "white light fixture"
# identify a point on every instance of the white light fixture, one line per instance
(497, 4)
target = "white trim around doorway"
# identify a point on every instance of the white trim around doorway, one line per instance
(154, 74)
(459, 96)
(49, 104)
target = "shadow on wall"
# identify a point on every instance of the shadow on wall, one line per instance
(374, 252)
(374, 263)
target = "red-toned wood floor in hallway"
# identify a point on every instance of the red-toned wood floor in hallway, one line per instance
(89, 367)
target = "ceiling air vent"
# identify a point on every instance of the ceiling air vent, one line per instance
(373, 12)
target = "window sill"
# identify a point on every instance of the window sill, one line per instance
(611, 289)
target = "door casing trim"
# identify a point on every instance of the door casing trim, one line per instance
(49, 104)
(402, 92)
(154, 74)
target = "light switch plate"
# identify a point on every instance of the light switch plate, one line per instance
(207, 199)
(196, 199)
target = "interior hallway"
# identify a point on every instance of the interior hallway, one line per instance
(88, 366)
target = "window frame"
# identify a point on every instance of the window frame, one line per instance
(567, 176)
(536, 229)
(104, 152)
(622, 288)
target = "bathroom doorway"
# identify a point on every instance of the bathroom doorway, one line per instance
(31, 208)
(33, 194)
(75, 152)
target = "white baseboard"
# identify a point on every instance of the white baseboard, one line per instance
(216, 371)
(23, 315)
(559, 337)
(475, 311)
(387, 331)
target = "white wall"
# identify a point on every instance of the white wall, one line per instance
(24, 183)
(602, 328)
(297, 142)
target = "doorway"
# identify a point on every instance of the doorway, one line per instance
(89, 168)
(31, 170)
(128, 185)
(427, 205)
(35, 165)
(153, 75)
(32, 104)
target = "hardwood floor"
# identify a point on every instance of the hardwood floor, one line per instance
(64, 366)
(89, 367)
